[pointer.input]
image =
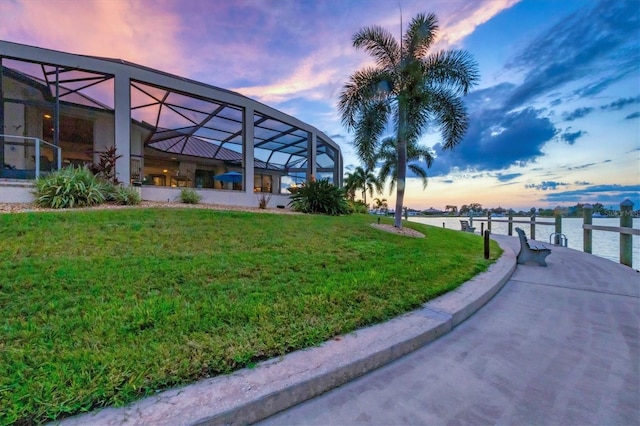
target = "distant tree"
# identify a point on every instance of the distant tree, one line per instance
(599, 208)
(471, 208)
(410, 87)
(387, 157)
(381, 204)
(364, 180)
(350, 185)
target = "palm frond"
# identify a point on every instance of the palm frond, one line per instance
(455, 69)
(381, 44)
(451, 115)
(420, 172)
(365, 86)
(419, 153)
(369, 127)
(420, 35)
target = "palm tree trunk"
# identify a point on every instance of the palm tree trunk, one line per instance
(402, 161)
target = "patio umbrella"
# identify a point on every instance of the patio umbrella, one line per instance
(234, 177)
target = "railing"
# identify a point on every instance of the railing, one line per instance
(27, 157)
(510, 221)
(625, 229)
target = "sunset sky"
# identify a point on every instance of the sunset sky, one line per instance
(555, 119)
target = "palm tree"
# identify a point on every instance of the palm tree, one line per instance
(363, 179)
(411, 88)
(388, 159)
(380, 203)
(351, 185)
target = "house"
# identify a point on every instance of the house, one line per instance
(59, 108)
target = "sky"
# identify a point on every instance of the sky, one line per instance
(554, 120)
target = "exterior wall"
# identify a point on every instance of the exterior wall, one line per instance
(16, 192)
(212, 196)
(20, 192)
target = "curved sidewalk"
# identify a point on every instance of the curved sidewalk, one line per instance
(557, 346)
(250, 395)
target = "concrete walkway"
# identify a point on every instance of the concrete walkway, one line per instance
(557, 346)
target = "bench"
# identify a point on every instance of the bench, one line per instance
(464, 225)
(531, 251)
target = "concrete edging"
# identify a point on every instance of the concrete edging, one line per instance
(250, 395)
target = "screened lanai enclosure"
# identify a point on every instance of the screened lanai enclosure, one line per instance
(58, 109)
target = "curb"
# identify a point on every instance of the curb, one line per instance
(250, 395)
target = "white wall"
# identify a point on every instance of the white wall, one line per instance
(212, 196)
(16, 192)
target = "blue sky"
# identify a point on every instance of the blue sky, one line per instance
(555, 119)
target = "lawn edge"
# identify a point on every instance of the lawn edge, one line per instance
(250, 395)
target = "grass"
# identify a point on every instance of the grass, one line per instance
(103, 307)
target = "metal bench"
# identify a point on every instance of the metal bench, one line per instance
(464, 225)
(531, 251)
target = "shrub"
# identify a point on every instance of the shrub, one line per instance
(128, 196)
(357, 207)
(189, 196)
(69, 187)
(319, 196)
(105, 168)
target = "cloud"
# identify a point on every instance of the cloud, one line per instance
(461, 23)
(578, 113)
(496, 139)
(546, 186)
(581, 167)
(604, 194)
(633, 115)
(621, 103)
(597, 46)
(129, 30)
(571, 138)
(505, 177)
(307, 76)
(581, 183)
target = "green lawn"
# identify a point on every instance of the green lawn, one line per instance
(103, 307)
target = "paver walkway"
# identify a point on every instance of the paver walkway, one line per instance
(557, 346)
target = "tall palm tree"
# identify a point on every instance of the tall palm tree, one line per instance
(388, 159)
(362, 179)
(409, 87)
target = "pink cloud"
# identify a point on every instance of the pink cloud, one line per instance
(129, 30)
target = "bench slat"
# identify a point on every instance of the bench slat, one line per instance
(531, 251)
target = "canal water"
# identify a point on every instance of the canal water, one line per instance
(605, 244)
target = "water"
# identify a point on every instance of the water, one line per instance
(604, 244)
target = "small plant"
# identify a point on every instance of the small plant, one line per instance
(126, 196)
(190, 196)
(106, 166)
(263, 200)
(319, 196)
(69, 187)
